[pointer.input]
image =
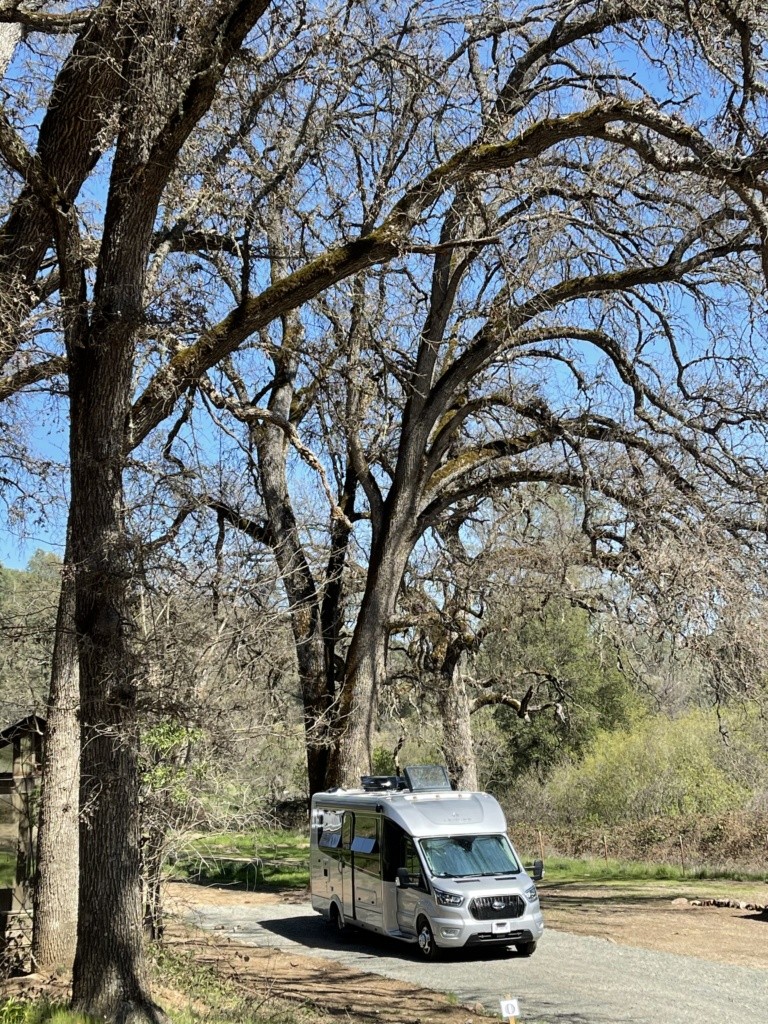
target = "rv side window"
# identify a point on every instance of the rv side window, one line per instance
(413, 864)
(366, 834)
(365, 845)
(328, 825)
(400, 852)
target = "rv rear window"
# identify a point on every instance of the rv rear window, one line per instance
(330, 840)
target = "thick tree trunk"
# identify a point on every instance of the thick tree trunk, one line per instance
(295, 572)
(304, 604)
(161, 103)
(366, 667)
(367, 657)
(55, 914)
(458, 749)
(109, 979)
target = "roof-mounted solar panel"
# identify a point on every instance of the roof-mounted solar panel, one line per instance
(427, 778)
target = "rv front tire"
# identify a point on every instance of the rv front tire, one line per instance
(425, 939)
(526, 948)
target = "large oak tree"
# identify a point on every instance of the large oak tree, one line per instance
(571, 200)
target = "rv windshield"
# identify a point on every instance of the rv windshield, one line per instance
(462, 856)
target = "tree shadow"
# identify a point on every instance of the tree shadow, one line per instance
(318, 933)
(582, 900)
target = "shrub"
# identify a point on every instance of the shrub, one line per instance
(662, 767)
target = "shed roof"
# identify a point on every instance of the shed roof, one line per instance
(30, 724)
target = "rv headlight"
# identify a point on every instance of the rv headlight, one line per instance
(531, 894)
(448, 899)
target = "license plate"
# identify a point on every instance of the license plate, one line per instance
(500, 927)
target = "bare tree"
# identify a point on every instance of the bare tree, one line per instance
(101, 334)
(573, 295)
(560, 317)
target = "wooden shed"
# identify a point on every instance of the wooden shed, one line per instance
(23, 741)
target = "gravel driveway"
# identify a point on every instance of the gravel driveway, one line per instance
(570, 979)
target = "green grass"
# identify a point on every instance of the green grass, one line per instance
(271, 859)
(635, 880)
(566, 870)
(17, 1011)
(262, 859)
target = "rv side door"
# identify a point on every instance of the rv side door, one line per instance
(409, 898)
(345, 862)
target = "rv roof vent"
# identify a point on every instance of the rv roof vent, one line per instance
(374, 782)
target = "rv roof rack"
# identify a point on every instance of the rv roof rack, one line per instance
(379, 782)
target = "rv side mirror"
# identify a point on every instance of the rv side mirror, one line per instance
(538, 870)
(403, 879)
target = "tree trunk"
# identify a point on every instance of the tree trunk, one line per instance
(366, 667)
(367, 658)
(109, 979)
(304, 604)
(295, 572)
(458, 749)
(10, 36)
(55, 914)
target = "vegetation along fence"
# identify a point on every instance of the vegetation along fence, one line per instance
(737, 840)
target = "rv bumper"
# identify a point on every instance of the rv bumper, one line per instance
(490, 939)
(454, 931)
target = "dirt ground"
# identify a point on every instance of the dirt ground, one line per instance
(330, 987)
(651, 916)
(656, 917)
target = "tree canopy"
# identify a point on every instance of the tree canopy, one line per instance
(440, 255)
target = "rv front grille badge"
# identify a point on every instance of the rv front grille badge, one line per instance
(488, 908)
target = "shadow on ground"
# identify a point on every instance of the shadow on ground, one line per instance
(318, 933)
(338, 991)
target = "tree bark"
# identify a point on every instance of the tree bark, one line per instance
(458, 749)
(301, 590)
(109, 978)
(10, 36)
(68, 146)
(55, 907)
(367, 657)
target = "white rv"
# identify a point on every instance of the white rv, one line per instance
(412, 858)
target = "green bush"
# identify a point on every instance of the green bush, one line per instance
(661, 768)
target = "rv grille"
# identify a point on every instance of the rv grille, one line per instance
(489, 908)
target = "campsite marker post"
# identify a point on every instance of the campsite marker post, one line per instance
(510, 1009)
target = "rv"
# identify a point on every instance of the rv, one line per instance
(412, 858)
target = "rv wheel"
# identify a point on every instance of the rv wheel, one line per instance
(337, 920)
(526, 948)
(426, 939)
